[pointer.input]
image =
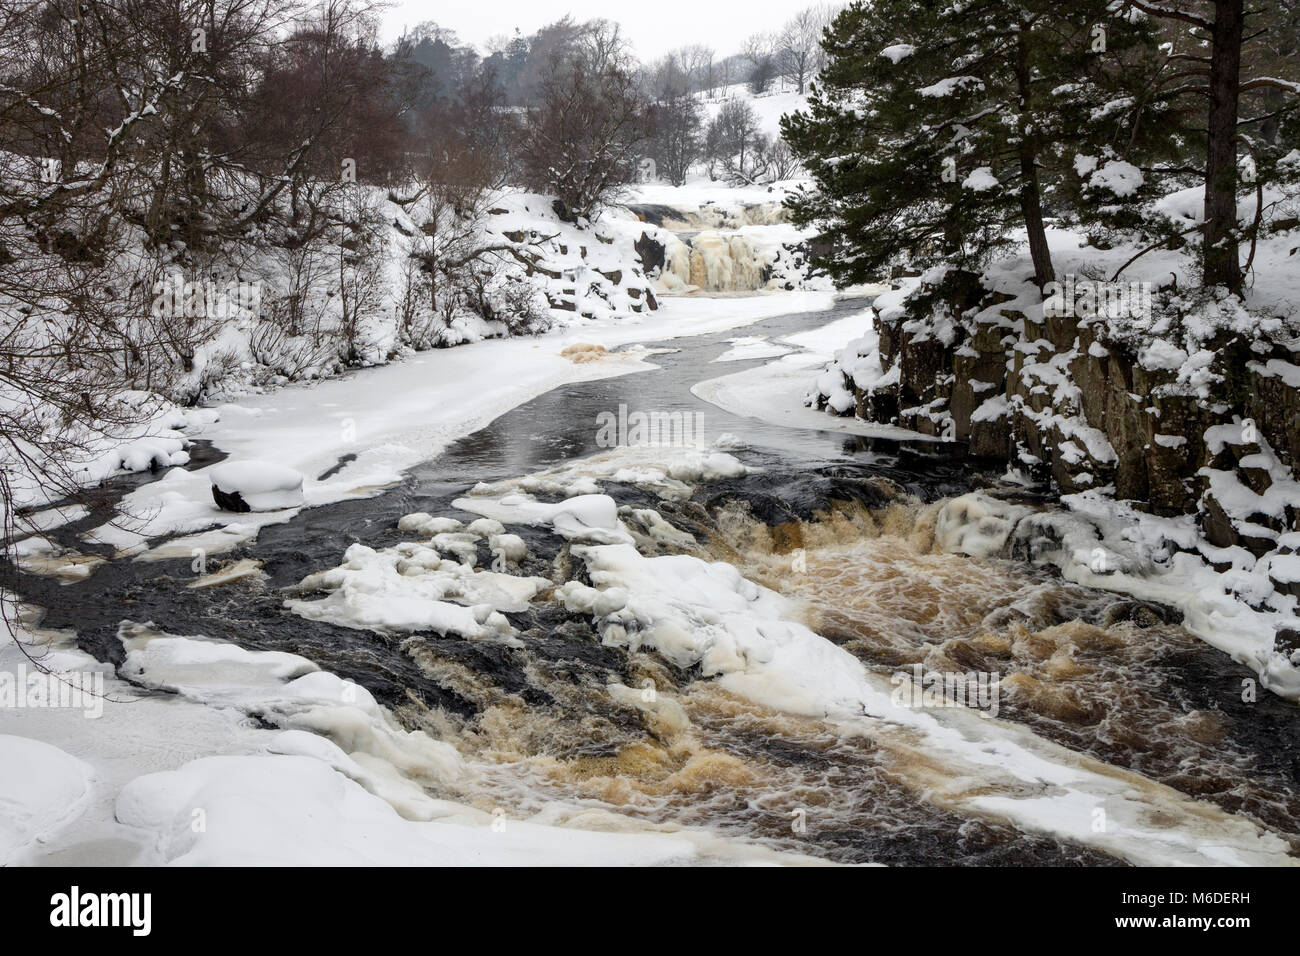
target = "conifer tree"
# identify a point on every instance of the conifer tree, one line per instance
(1237, 69)
(938, 132)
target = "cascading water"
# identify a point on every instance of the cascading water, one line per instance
(727, 248)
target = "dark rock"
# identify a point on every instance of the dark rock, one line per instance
(651, 251)
(1286, 640)
(230, 501)
(1142, 614)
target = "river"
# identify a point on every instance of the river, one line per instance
(1108, 690)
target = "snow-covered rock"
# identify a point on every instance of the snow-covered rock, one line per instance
(256, 486)
(41, 790)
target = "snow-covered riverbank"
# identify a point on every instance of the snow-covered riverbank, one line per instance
(392, 417)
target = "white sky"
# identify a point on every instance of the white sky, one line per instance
(654, 26)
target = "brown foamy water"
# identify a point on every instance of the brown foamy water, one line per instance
(667, 750)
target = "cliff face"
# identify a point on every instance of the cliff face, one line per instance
(1182, 407)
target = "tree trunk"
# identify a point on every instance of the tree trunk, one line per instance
(1031, 195)
(1032, 208)
(1220, 258)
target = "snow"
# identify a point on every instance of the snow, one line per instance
(769, 107)
(991, 409)
(42, 789)
(897, 52)
(395, 416)
(750, 347)
(1277, 368)
(1119, 177)
(980, 180)
(1162, 354)
(1083, 165)
(412, 588)
(950, 85)
(858, 363)
(776, 392)
(263, 485)
(699, 194)
(307, 814)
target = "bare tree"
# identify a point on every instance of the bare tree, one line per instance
(605, 47)
(799, 44)
(760, 51)
(357, 258)
(697, 62)
(582, 138)
(734, 144)
(675, 135)
(76, 334)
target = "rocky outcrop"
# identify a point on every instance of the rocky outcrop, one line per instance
(1068, 402)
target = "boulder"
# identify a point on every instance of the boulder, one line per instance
(251, 485)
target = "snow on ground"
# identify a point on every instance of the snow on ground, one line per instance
(42, 790)
(307, 813)
(775, 392)
(769, 107)
(700, 191)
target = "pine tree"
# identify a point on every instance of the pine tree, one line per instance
(935, 132)
(1214, 49)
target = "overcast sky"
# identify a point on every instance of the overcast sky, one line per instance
(654, 26)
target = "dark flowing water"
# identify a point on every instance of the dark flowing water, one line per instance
(1103, 676)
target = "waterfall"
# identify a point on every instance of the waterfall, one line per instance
(725, 247)
(714, 261)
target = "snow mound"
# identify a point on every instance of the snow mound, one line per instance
(256, 486)
(288, 809)
(413, 588)
(292, 693)
(41, 791)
